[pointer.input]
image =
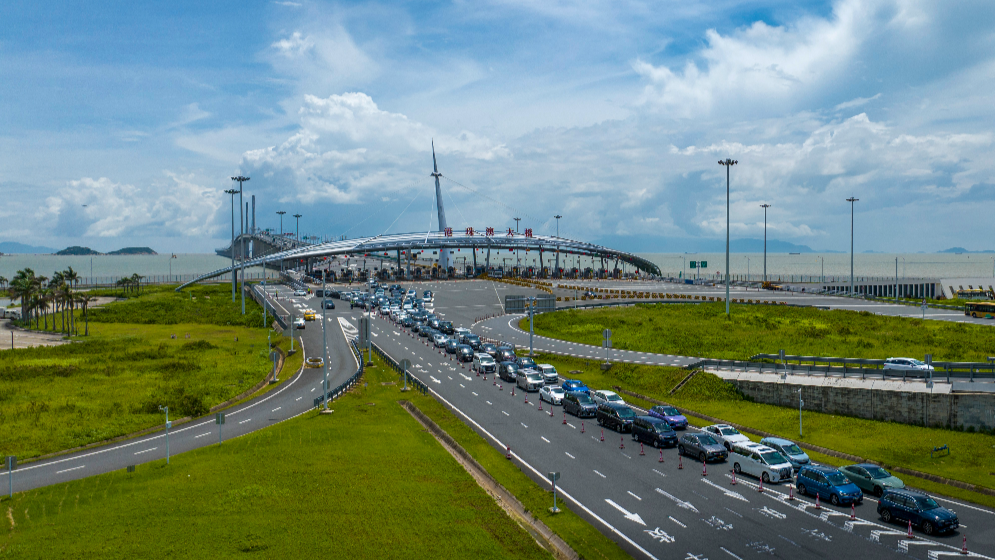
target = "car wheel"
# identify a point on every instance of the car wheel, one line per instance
(886, 515)
(765, 477)
(878, 491)
(736, 468)
(927, 527)
(701, 456)
(834, 499)
(801, 489)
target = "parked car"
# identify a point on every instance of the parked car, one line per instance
(508, 371)
(904, 505)
(579, 404)
(669, 415)
(530, 381)
(451, 345)
(789, 449)
(551, 394)
(829, 484)
(653, 431)
(505, 354)
(760, 461)
(726, 435)
(483, 363)
(618, 417)
(464, 353)
(702, 446)
(872, 478)
(548, 373)
(906, 364)
(575, 386)
(606, 397)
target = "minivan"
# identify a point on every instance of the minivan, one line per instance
(530, 381)
(483, 363)
(618, 417)
(829, 484)
(579, 404)
(508, 371)
(506, 354)
(760, 461)
(654, 431)
(548, 373)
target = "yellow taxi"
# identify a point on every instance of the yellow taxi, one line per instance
(309, 315)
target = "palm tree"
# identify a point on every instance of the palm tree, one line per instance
(3, 282)
(86, 300)
(22, 287)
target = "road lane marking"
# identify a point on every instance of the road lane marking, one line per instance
(569, 455)
(730, 554)
(678, 522)
(634, 496)
(658, 472)
(202, 435)
(244, 421)
(571, 425)
(277, 408)
(488, 402)
(544, 439)
(145, 451)
(523, 424)
(505, 413)
(599, 474)
(299, 398)
(72, 469)
(475, 394)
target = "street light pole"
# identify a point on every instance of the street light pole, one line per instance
(241, 237)
(557, 271)
(727, 163)
(518, 258)
(324, 337)
(765, 206)
(232, 192)
(281, 213)
(851, 200)
(298, 235)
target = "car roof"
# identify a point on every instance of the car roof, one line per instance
(606, 392)
(819, 468)
(616, 406)
(652, 419)
(907, 492)
(777, 440)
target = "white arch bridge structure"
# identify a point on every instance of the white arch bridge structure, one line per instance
(402, 246)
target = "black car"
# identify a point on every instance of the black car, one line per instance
(334, 294)
(508, 371)
(451, 345)
(506, 354)
(329, 304)
(906, 505)
(407, 322)
(473, 340)
(425, 331)
(654, 431)
(464, 353)
(489, 349)
(447, 327)
(579, 404)
(434, 323)
(618, 417)
(525, 362)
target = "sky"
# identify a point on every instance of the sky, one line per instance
(121, 123)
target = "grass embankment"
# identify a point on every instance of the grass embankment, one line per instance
(365, 482)
(703, 330)
(205, 304)
(889, 443)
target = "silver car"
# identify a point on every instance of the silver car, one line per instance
(906, 364)
(552, 394)
(439, 340)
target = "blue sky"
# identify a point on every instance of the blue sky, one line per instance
(120, 123)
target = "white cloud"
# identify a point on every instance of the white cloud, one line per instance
(856, 102)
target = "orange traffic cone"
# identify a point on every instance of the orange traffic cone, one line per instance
(661, 455)
(680, 462)
(602, 434)
(704, 469)
(910, 535)
(733, 481)
(641, 452)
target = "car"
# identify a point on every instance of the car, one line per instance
(530, 381)
(579, 404)
(408, 322)
(549, 374)
(922, 511)
(606, 397)
(669, 415)
(525, 362)
(299, 323)
(334, 294)
(460, 332)
(464, 353)
(575, 386)
(329, 304)
(702, 446)
(726, 435)
(508, 371)
(473, 340)
(906, 364)
(309, 315)
(789, 449)
(505, 354)
(872, 478)
(446, 327)
(424, 331)
(617, 417)
(489, 348)
(653, 431)
(434, 323)
(451, 345)
(552, 394)
(300, 293)
(483, 363)
(760, 461)
(829, 484)
(439, 340)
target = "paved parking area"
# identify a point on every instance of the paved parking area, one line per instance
(11, 337)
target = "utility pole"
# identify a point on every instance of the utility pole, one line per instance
(324, 338)
(232, 192)
(765, 206)
(241, 180)
(851, 200)
(727, 163)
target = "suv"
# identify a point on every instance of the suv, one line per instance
(726, 435)
(702, 446)
(483, 363)
(529, 381)
(508, 371)
(618, 417)
(907, 506)
(489, 348)
(548, 373)
(760, 461)
(451, 345)
(446, 327)
(872, 478)
(669, 415)
(579, 404)
(829, 484)
(789, 449)
(473, 340)
(606, 397)
(505, 354)
(656, 432)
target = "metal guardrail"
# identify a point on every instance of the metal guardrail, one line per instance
(347, 384)
(416, 383)
(851, 367)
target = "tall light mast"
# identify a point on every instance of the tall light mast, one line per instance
(443, 252)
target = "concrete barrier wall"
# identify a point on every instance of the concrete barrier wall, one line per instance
(942, 410)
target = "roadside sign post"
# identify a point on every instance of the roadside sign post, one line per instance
(168, 425)
(405, 365)
(553, 477)
(11, 463)
(364, 338)
(801, 403)
(784, 364)
(531, 303)
(924, 306)
(607, 333)
(219, 419)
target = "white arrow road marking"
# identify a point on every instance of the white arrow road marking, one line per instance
(772, 513)
(630, 516)
(432, 377)
(725, 491)
(145, 451)
(680, 503)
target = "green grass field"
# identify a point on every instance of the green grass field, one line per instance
(703, 330)
(205, 304)
(365, 482)
(890, 443)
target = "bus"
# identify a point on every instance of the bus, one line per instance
(986, 309)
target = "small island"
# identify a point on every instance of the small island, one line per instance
(134, 251)
(76, 250)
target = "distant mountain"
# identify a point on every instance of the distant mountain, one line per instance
(963, 250)
(76, 250)
(134, 251)
(15, 248)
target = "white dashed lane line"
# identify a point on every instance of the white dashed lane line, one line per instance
(244, 421)
(569, 455)
(145, 451)
(72, 469)
(277, 408)
(599, 474)
(544, 439)
(202, 435)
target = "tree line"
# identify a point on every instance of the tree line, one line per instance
(57, 298)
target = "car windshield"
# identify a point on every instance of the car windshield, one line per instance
(584, 399)
(706, 440)
(836, 478)
(662, 427)
(773, 457)
(877, 472)
(533, 377)
(926, 503)
(670, 411)
(486, 360)
(626, 412)
(527, 362)
(792, 449)
(612, 397)
(556, 390)
(729, 431)
(917, 363)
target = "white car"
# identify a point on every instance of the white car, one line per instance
(726, 435)
(301, 293)
(606, 397)
(760, 461)
(552, 394)
(906, 364)
(440, 340)
(299, 323)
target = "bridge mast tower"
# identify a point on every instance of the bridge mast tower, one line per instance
(443, 253)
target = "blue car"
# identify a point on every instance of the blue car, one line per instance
(670, 415)
(906, 506)
(829, 484)
(575, 386)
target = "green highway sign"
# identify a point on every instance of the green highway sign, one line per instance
(694, 264)
(704, 264)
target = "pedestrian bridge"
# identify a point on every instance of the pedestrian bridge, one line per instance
(488, 246)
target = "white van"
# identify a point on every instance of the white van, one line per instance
(548, 373)
(760, 461)
(484, 363)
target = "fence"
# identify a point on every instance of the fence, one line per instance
(414, 382)
(111, 281)
(851, 367)
(345, 386)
